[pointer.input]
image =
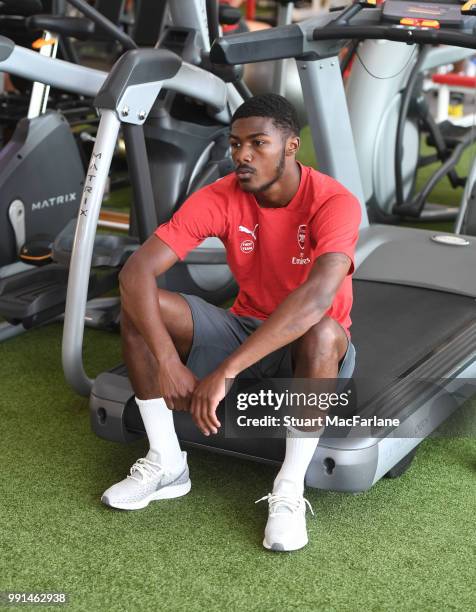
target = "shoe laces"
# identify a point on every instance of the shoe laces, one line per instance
(276, 500)
(147, 469)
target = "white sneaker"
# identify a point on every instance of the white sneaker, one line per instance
(148, 481)
(286, 526)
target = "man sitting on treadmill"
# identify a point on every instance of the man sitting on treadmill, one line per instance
(290, 234)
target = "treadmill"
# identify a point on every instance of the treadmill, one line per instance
(414, 314)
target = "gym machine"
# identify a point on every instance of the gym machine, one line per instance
(390, 114)
(41, 179)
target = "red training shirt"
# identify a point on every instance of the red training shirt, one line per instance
(271, 251)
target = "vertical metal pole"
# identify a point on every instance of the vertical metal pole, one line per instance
(328, 116)
(139, 171)
(285, 17)
(81, 256)
(59, 7)
(466, 200)
(443, 101)
(251, 9)
(191, 14)
(40, 91)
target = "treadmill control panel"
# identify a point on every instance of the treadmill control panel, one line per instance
(447, 14)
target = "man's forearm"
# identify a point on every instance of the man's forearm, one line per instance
(291, 320)
(139, 299)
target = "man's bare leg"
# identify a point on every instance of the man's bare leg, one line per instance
(141, 364)
(318, 352)
(163, 473)
(315, 355)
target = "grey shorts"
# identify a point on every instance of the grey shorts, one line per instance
(217, 333)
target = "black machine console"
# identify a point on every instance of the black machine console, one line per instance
(445, 13)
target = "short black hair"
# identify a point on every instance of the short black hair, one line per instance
(271, 105)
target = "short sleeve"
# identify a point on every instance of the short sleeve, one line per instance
(199, 217)
(335, 227)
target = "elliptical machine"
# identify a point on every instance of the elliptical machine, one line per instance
(186, 145)
(42, 166)
(389, 114)
(41, 176)
(180, 147)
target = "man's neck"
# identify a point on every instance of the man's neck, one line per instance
(283, 191)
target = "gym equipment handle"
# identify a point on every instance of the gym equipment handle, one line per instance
(247, 47)
(78, 27)
(20, 7)
(104, 23)
(398, 34)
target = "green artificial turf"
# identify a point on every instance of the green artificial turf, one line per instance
(119, 199)
(407, 544)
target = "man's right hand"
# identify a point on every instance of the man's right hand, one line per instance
(177, 384)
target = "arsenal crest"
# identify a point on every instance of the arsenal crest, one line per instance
(301, 236)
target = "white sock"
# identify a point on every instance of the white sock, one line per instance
(163, 441)
(299, 452)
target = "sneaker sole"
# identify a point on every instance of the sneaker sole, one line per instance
(281, 547)
(163, 493)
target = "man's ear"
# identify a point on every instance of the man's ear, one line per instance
(292, 145)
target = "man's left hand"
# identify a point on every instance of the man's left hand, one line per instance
(205, 399)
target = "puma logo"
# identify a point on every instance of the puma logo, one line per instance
(245, 230)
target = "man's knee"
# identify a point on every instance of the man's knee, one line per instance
(176, 317)
(127, 325)
(321, 342)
